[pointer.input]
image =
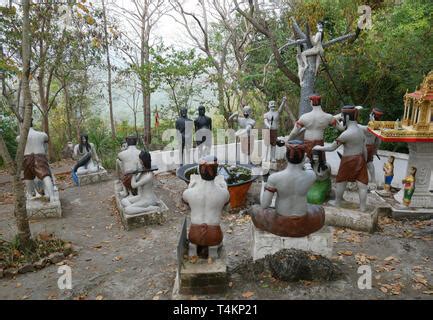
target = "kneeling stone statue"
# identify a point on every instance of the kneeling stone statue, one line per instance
(292, 215)
(207, 195)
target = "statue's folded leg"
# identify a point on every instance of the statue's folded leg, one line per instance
(288, 226)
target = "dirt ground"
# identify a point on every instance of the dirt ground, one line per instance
(115, 264)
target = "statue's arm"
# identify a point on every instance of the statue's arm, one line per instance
(266, 122)
(234, 115)
(143, 179)
(283, 103)
(268, 192)
(296, 131)
(332, 147)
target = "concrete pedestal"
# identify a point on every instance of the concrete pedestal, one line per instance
(135, 221)
(92, 178)
(264, 243)
(40, 208)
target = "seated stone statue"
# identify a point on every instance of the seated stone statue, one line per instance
(35, 164)
(146, 199)
(206, 195)
(321, 189)
(292, 215)
(86, 156)
(128, 162)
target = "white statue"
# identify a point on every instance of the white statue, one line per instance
(271, 120)
(353, 166)
(206, 195)
(128, 162)
(292, 215)
(246, 124)
(313, 125)
(35, 164)
(316, 50)
(85, 153)
(145, 200)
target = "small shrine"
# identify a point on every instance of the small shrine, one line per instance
(415, 128)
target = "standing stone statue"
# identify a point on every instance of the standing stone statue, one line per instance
(409, 186)
(353, 166)
(313, 125)
(271, 120)
(203, 132)
(246, 124)
(206, 195)
(128, 162)
(85, 153)
(35, 164)
(388, 170)
(145, 200)
(184, 136)
(372, 144)
(292, 215)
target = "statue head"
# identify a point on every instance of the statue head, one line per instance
(201, 110)
(84, 138)
(349, 113)
(320, 26)
(247, 111)
(376, 114)
(315, 100)
(146, 159)
(208, 168)
(295, 151)
(184, 112)
(271, 105)
(391, 159)
(413, 171)
(131, 141)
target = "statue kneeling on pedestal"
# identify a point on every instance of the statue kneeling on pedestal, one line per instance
(207, 195)
(292, 215)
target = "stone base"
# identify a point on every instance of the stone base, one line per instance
(390, 205)
(40, 208)
(351, 218)
(264, 243)
(92, 178)
(201, 277)
(135, 221)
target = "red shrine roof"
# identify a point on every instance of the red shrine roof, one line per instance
(420, 95)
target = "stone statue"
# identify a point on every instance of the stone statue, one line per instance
(246, 124)
(409, 186)
(388, 169)
(316, 51)
(353, 166)
(372, 144)
(271, 120)
(85, 153)
(206, 195)
(321, 189)
(128, 162)
(35, 164)
(203, 131)
(313, 125)
(184, 136)
(142, 180)
(292, 215)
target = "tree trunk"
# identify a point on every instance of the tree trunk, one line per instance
(68, 113)
(308, 86)
(110, 95)
(46, 128)
(145, 83)
(20, 210)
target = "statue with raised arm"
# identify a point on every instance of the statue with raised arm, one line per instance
(292, 215)
(203, 132)
(353, 165)
(35, 164)
(86, 156)
(271, 120)
(207, 194)
(142, 181)
(246, 124)
(184, 136)
(128, 162)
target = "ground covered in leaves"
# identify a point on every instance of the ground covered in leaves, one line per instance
(111, 263)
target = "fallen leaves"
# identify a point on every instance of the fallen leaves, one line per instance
(362, 258)
(247, 294)
(99, 297)
(346, 253)
(393, 288)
